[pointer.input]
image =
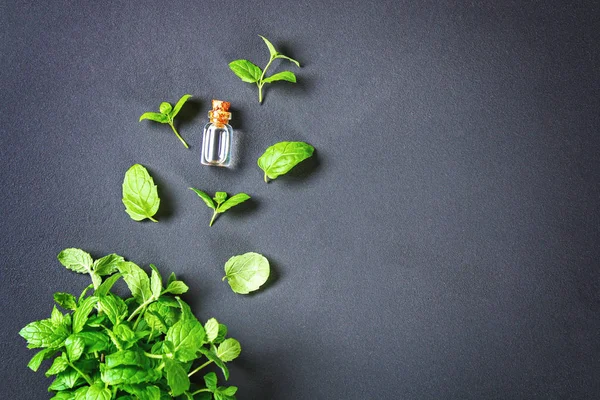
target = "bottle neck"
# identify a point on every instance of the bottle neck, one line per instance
(219, 118)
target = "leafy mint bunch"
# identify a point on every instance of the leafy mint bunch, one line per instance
(251, 73)
(146, 346)
(167, 115)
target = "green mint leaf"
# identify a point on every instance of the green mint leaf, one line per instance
(80, 316)
(143, 392)
(172, 278)
(212, 329)
(210, 380)
(247, 272)
(124, 333)
(96, 279)
(280, 158)
(135, 358)
(288, 58)
(227, 391)
(44, 334)
(177, 287)
(98, 392)
(154, 116)
(245, 70)
(80, 393)
(272, 51)
(129, 375)
(105, 287)
(76, 260)
(68, 396)
(229, 350)
(220, 197)
(84, 292)
(140, 194)
(56, 317)
(36, 361)
(179, 104)
(281, 76)
(233, 201)
(165, 108)
(155, 282)
(218, 362)
(160, 317)
(74, 346)
(66, 380)
(107, 264)
(65, 300)
(59, 365)
(94, 341)
(114, 307)
(137, 281)
(222, 333)
(187, 337)
(177, 377)
(206, 198)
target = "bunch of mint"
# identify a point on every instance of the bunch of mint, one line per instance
(143, 347)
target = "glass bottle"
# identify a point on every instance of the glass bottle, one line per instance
(216, 140)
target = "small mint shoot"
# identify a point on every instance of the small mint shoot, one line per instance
(220, 203)
(167, 115)
(250, 73)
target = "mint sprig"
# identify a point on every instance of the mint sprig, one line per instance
(220, 203)
(146, 346)
(167, 115)
(251, 73)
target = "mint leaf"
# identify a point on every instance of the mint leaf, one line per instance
(76, 260)
(176, 287)
(177, 377)
(44, 334)
(247, 272)
(114, 307)
(212, 329)
(80, 316)
(98, 392)
(94, 341)
(140, 194)
(137, 281)
(245, 70)
(156, 117)
(289, 59)
(105, 287)
(107, 264)
(218, 362)
(233, 201)
(229, 350)
(36, 361)
(187, 337)
(280, 158)
(66, 380)
(74, 346)
(65, 300)
(129, 375)
(58, 366)
(281, 76)
(128, 357)
(165, 108)
(206, 198)
(179, 104)
(272, 50)
(155, 282)
(220, 197)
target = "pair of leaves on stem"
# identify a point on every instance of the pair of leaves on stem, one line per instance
(251, 73)
(167, 115)
(220, 203)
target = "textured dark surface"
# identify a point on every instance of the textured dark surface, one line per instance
(444, 243)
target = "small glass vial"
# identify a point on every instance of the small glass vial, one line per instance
(216, 140)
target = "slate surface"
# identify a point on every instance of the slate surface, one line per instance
(443, 242)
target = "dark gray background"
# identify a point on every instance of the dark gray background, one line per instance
(442, 244)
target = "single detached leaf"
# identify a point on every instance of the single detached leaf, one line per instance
(154, 116)
(76, 260)
(137, 281)
(289, 59)
(179, 104)
(281, 76)
(229, 350)
(247, 272)
(206, 198)
(140, 194)
(272, 51)
(165, 108)
(280, 158)
(245, 70)
(107, 264)
(65, 300)
(177, 378)
(233, 201)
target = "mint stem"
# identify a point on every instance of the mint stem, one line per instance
(260, 82)
(199, 368)
(152, 219)
(200, 391)
(180, 138)
(87, 378)
(213, 218)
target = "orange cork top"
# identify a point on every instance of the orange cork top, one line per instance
(219, 115)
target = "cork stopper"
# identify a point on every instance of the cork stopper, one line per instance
(219, 115)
